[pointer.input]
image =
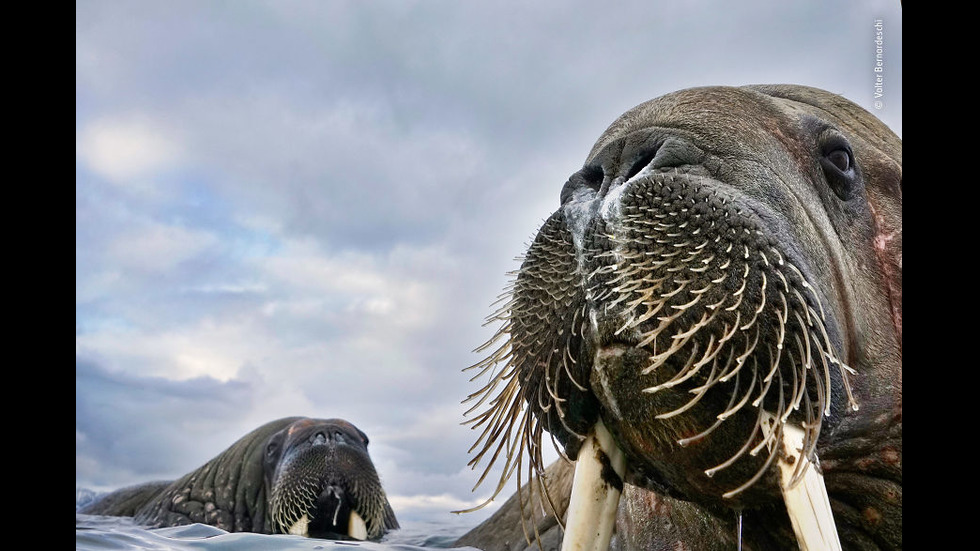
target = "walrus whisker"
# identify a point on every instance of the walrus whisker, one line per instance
(651, 311)
(490, 342)
(703, 290)
(797, 388)
(714, 306)
(745, 398)
(650, 337)
(738, 292)
(697, 298)
(742, 357)
(704, 267)
(811, 428)
(486, 393)
(714, 377)
(572, 432)
(807, 451)
(677, 344)
(498, 357)
(567, 357)
(508, 444)
(822, 402)
(775, 361)
(683, 442)
(520, 502)
(767, 380)
(629, 324)
(535, 475)
(542, 478)
(782, 317)
(681, 284)
(658, 360)
(488, 417)
(690, 368)
(685, 335)
(732, 493)
(806, 285)
(698, 394)
(763, 255)
(502, 409)
(748, 443)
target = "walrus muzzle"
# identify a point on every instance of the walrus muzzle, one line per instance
(724, 270)
(323, 483)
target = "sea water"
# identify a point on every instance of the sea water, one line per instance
(100, 533)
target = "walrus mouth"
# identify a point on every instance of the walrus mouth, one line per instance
(666, 298)
(334, 517)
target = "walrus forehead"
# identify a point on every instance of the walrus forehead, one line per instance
(300, 425)
(725, 116)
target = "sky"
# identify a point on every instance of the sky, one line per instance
(309, 207)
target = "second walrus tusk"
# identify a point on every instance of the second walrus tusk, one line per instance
(806, 500)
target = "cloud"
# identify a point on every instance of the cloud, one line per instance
(126, 151)
(158, 247)
(149, 428)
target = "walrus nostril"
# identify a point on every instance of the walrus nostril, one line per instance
(589, 178)
(318, 439)
(641, 163)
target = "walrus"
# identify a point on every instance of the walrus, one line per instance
(296, 475)
(710, 321)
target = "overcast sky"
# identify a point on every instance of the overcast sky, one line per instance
(308, 207)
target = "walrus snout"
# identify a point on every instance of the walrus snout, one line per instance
(324, 483)
(619, 161)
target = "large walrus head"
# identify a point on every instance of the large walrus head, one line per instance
(322, 482)
(724, 270)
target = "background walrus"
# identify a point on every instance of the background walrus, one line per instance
(296, 475)
(724, 270)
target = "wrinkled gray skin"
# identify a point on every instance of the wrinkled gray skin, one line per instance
(772, 214)
(322, 464)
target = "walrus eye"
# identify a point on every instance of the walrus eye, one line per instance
(837, 162)
(271, 449)
(590, 177)
(840, 159)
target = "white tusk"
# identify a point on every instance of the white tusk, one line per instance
(300, 527)
(807, 502)
(594, 500)
(356, 528)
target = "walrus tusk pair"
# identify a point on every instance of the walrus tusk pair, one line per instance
(356, 527)
(595, 498)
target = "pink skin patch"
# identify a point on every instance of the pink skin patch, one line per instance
(884, 250)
